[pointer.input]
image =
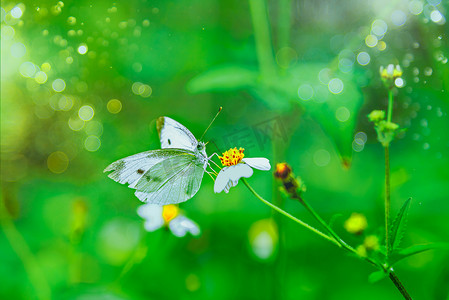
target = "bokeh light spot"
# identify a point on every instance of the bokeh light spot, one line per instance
(57, 162)
(92, 143)
(71, 20)
(18, 50)
(41, 77)
(415, 7)
(335, 86)
(321, 157)
(94, 128)
(382, 45)
(7, 32)
(305, 92)
(16, 12)
(342, 114)
(114, 106)
(371, 40)
(363, 58)
(86, 113)
(65, 103)
(75, 124)
(325, 75)
(82, 49)
(399, 82)
(46, 67)
(27, 69)
(286, 57)
(379, 27)
(398, 17)
(58, 85)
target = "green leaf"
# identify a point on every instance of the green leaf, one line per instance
(398, 227)
(223, 78)
(415, 249)
(377, 276)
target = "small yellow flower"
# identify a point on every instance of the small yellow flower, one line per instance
(157, 216)
(232, 157)
(169, 212)
(391, 72)
(371, 242)
(236, 167)
(376, 116)
(356, 223)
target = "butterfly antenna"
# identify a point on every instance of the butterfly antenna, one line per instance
(219, 110)
(212, 141)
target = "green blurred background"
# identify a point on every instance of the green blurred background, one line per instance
(83, 81)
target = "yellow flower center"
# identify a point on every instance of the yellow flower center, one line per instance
(169, 212)
(232, 157)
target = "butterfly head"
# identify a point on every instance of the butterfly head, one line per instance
(201, 147)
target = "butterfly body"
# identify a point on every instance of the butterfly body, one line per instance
(164, 176)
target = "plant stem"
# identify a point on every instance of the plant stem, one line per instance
(334, 238)
(332, 233)
(387, 176)
(284, 18)
(289, 215)
(399, 285)
(390, 105)
(387, 199)
(262, 36)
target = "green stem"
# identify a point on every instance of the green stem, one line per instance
(289, 215)
(334, 238)
(262, 37)
(387, 199)
(387, 175)
(332, 233)
(390, 105)
(19, 245)
(399, 285)
(284, 17)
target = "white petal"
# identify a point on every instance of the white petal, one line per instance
(229, 177)
(238, 171)
(259, 163)
(152, 214)
(180, 225)
(221, 181)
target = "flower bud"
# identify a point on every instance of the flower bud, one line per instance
(356, 223)
(283, 170)
(376, 116)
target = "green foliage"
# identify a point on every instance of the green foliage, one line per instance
(377, 276)
(400, 254)
(398, 226)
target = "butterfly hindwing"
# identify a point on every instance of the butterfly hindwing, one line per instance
(175, 135)
(172, 180)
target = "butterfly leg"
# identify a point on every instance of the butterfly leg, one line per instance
(209, 159)
(210, 174)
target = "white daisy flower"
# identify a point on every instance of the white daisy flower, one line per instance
(236, 167)
(157, 216)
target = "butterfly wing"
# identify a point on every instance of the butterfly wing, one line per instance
(130, 169)
(172, 180)
(175, 135)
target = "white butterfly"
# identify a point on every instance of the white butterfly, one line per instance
(169, 175)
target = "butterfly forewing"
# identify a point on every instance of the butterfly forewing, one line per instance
(175, 135)
(130, 169)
